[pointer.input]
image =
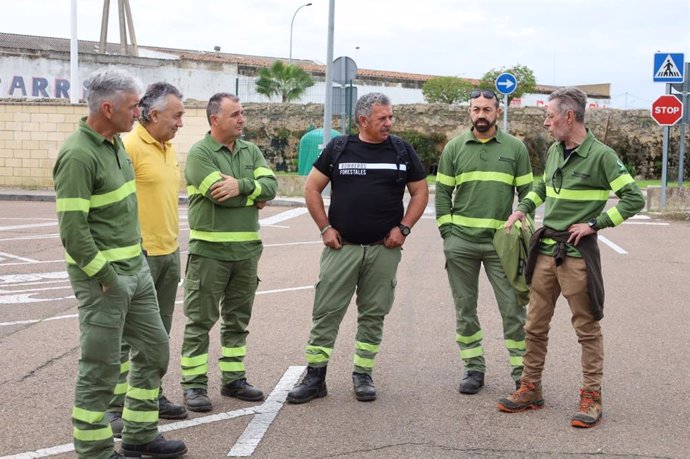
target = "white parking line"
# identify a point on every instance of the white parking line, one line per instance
(614, 246)
(14, 299)
(281, 217)
(17, 257)
(264, 415)
(27, 226)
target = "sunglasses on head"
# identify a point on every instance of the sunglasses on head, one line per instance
(483, 92)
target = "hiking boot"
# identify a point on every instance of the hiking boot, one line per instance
(589, 412)
(197, 400)
(114, 418)
(242, 390)
(527, 397)
(363, 386)
(168, 410)
(159, 447)
(313, 386)
(471, 382)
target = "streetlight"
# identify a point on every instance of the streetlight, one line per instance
(291, 24)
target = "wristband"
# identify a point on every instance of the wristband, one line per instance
(325, 228)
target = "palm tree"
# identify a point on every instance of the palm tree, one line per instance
(287, 81)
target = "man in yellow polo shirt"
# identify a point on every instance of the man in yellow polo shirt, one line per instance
(157, 172)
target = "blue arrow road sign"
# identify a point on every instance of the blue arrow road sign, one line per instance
(506, 83)
(668, 67)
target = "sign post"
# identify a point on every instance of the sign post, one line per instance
(506, 84)
(668, 68)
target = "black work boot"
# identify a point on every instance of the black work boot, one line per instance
(159, 447)
(242, 390)
(471, 382)
(313, 386)
(363, 386)
(168, 410)
(114, 418)
(197, 400)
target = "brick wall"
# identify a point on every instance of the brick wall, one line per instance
(31, 135)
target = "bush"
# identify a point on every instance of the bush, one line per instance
(428, 147)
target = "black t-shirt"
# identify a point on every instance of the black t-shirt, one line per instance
(367, 187)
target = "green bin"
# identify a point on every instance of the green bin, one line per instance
(310, 146)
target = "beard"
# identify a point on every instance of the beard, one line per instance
(483, 125)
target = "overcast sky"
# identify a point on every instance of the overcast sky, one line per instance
(563, 41)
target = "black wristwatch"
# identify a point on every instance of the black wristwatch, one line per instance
(593, 224)
(404, 229)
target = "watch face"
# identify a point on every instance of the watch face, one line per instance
(404, 230)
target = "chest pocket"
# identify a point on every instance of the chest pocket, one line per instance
(506, 164)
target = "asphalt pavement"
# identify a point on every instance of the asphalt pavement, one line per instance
(419, 412)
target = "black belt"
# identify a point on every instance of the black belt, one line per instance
(381, 242)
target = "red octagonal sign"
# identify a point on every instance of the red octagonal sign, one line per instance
(667, 110)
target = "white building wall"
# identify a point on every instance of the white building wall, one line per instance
(22, 77)
(28, 77)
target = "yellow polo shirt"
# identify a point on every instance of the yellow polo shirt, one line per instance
(158, 182)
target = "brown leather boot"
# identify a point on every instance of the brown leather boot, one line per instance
(589, 412)
(527, 397)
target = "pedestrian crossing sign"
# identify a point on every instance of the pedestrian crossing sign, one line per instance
(668, 67)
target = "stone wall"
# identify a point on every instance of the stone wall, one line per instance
(31, 133)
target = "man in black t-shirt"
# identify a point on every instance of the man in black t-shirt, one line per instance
(363, 232)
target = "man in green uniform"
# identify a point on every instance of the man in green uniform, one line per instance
(478, 175)
(228, 181)
(158, 183)
(97, 214)
(580, 173)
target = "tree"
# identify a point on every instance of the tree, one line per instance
(527, 83)
(447, 90)
(287, 81)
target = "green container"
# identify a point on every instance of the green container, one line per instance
(310, 146)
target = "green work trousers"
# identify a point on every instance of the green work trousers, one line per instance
(128, 311)
(165, 271)
(463, 262)
(209, 284)
(368, 270)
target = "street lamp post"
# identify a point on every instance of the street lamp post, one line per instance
(291, 24)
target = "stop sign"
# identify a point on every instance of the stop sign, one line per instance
(667, 110)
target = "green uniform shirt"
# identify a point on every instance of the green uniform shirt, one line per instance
(227, 230)
(575, 190)
(97, 206)
(484, 177)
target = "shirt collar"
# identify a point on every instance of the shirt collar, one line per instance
(584, 148)
(95, 136)
(498, 137)
(217, 146)
(146, 136)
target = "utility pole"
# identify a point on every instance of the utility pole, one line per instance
(126, 23)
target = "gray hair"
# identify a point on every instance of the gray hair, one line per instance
(367, 102)
(108, 83)
(156, 99)
(213, 107)
(571, 98)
